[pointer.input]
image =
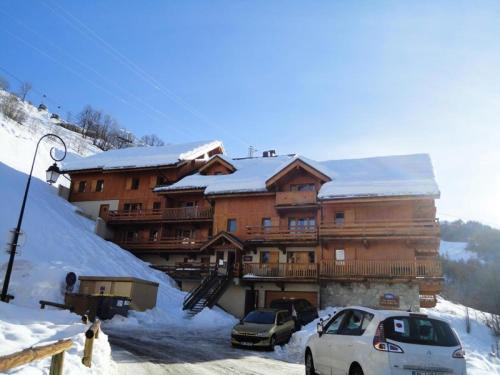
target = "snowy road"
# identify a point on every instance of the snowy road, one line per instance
(164, 351)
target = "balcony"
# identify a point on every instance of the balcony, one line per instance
(191, 271)
(381, 229)
(295, 199)
(280, 270)
(177, 214)
(277, 234)
(163, 244)
(345, 271)
(355, 269)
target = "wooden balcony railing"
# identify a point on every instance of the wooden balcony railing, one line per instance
(165, 214)
(196, 270)
(280, 270)
(381, 269)
(344, 270)
(283, 234)
(295, 198)
(410, 228)
(163, 244)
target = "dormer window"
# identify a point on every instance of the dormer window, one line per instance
(303, 187)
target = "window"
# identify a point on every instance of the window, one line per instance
(339, 217)
(135, 183)
(334, 325)
(156, 206)
(183, 233)
(231, 225)
(269, 257)
(99, 186)
(160, 180)
(311, 256)
(303, 222)
(153, 235)
(302, 187)
(82, 186)
(339, 255)
(132, 236)
(132, 206)
(266, 222)
(190, 204)
(419, 330)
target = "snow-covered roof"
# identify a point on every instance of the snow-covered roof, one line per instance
(378, 176)
(140, 157)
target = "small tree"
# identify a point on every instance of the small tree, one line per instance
(493, 322)
(24, 89)
(4, 84)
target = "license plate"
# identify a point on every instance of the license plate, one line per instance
(244, 343)
(425, 373)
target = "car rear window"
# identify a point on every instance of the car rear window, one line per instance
(419, 330)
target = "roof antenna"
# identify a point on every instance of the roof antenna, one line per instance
(251, 151)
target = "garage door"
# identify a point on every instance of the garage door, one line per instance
(309, 296)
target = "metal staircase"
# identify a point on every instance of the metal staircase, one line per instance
(208, 292)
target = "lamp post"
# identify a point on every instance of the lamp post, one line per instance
(53, 173)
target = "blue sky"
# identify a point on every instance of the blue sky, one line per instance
(325, 79)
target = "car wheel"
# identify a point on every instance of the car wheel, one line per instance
(310, 364)
(272, 342)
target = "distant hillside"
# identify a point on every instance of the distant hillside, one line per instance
(471, 264)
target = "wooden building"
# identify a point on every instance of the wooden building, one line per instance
(361, 231)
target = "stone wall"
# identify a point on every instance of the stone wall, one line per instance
(368, 294)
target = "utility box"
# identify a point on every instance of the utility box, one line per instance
(97, 306)
(142, 293)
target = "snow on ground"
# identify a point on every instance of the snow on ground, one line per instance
(456, 251)
(477, 343)
(21, 328)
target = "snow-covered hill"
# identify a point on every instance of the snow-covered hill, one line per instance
(456, 251)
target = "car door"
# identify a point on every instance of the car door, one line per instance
(351, 332)
(328, 348)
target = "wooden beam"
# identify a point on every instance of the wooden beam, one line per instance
(26, 356)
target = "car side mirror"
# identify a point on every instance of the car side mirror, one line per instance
(319, 329)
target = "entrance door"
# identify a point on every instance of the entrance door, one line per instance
(251, 300)
(103, 210)
(231, 258)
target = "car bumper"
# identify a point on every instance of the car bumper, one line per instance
(250, 341)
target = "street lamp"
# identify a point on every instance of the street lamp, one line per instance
(53, 173)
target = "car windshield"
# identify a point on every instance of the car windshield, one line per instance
(420, 330)
(260, 317)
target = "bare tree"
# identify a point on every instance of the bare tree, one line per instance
(493, 322)
(24, 90)
(151, 140)
(4, 83)
(11, 108)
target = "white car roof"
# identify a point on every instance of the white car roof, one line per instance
(382, 314)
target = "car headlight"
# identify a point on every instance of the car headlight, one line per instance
(262, 334)
(234, 332)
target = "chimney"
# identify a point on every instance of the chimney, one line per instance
(269, 154)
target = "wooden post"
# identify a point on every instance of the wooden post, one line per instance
(56, 365)
(91, 334)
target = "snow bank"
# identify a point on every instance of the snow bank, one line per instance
(456, 251)
(477, 344)
(21, 328)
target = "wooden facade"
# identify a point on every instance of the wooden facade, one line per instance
(287, 233)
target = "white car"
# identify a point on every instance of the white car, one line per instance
(363, 341)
